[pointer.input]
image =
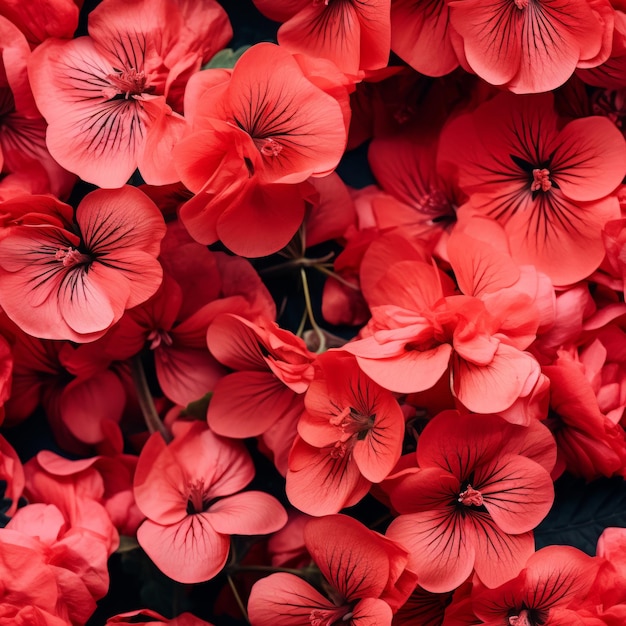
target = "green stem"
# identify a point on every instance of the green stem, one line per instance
(343, 281)
(309, 309)
(238, 600)
(150, 415)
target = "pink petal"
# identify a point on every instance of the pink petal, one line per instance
(235, 342)
(247, 513)
(517, 492)
(190, 551)
(246, 404)
(441, 552)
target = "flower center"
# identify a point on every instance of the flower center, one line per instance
(472, 497)
(354, 422)
(157, 337)
(521, 4)
(327, 617)
(522, 619)
(541, 180)
(71, 257)
(197, 500)
(270, 147)
(128, 83)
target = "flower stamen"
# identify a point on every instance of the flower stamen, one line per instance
(71, 257)
(471, 497)
(541, 180)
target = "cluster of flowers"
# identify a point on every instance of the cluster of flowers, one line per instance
(484, 274)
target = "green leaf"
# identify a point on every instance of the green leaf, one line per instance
(225, 58)
(581, 511)
(198, 408)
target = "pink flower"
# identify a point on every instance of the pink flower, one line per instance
(481, 487)
(189, 493)
(57, 283)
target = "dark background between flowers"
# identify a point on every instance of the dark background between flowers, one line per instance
(580, 512)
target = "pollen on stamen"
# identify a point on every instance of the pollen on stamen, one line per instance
(157, 337)
(521, 4)
(541, 180)
(71, 257)
(471, 497)
(520, 620)
(270, 147)
(128, 82)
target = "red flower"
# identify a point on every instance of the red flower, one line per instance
(59, 284)
(255, 134)
(364, 574)
(188, 491)
(108, 98)
(529, 46)
(350, 436)
(553, 578)
(548, 186)
(481, 487)
(353, 35)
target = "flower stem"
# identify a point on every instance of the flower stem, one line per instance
(150, 415)
(238, 599)
(309, 309)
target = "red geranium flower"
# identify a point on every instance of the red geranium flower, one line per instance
(188, 491)
(481, 487)
(364, 573)
(75, 282)
(531, 46)
(108, 98)
(547, 184)
(350, 436)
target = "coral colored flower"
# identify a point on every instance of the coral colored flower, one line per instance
(152, 617)
(353, 35)
(40, 20)
(530, 46)
(24, 159)
(255, 134)
(109, 98)
(428, 333)
(57, 283)
(482, 485)
(350, 435)
(547, 184)
(189, 493)
(551, 581)
(273, 368)
(11, 481)
(364, 575)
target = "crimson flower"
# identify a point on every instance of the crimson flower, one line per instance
(482, 485)
(188, 492)
(365, 579)
(350, 435)
(74, 282)
(547, 183)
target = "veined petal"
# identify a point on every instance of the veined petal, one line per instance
(284, 600)
(247, 513)
(517, 492)
(420, 36)
(90, 132)
(499, 557)
(322, 481)
(440, 551)
(589, 161)
(190, 551)
(495, 386)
